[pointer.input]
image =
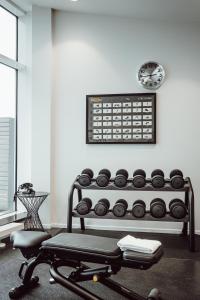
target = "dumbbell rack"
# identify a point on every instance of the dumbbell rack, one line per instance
(189, 202)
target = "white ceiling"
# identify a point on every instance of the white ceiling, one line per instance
(167, 10)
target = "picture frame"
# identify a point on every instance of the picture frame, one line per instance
(121, 118)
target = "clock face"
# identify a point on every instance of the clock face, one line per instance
(151, 75)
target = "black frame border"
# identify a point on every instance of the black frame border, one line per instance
(121, 95)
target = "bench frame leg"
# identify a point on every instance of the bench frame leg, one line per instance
(70, 282)
(122, 290)
(71, 285)
(28, 282)
(82, 273)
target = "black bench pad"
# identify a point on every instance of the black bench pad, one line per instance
(28, 239)
(130, 255)
(83, 243)
(141, 260)
(84, 247)
(94, 248)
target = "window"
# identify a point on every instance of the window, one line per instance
(8, 32)
(8, 100)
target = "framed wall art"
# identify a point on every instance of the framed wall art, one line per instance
(121, 119)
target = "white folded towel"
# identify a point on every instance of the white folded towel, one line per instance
(140, 245)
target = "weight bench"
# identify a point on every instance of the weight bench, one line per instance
(73, 250)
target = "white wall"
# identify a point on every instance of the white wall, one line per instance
(24, 102)
(34, 104)
(41, 104)
(99, 54)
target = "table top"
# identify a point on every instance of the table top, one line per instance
(33, 195)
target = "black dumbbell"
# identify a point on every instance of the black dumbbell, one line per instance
(176, 179)
(85, 177)
(103, 178)
(120, 207)
(139, 178)
(157, 178)
(83, 207)
(158, 208)
(177, 208)
(102, 207)
(121, 178)
(139, 209)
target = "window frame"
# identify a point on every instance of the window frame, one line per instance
(14, 64)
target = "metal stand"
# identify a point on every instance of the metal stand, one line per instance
(82, 273)
(32, 202)
(188, 221)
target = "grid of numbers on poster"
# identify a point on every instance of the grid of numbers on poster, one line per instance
(121, 118)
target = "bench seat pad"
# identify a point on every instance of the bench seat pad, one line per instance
(98, 249)
(28, 239)
(133, 259)
(87, 244)
(84, 247)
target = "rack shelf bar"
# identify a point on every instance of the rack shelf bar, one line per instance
(129, 187)
(129, 216)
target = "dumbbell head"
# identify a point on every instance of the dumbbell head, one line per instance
(157, 172)
(102, 207)
(103, 177)
(85, 177)
(158, 208)
(83, 207)
(177, 209)
(157, 178)
(120, 207)
(176, 179)
(139, 209)
(139, 178)
(122, 172)
(176, 172)
(121, 178)
(139, 172)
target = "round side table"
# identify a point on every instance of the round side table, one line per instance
(32, 202)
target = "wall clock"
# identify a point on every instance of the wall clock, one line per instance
(151, 75)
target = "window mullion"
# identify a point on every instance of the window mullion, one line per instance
(11, 63)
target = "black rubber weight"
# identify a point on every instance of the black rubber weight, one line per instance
(105, 172)
(157, 178)
(158, 208)
(121, 178)
(103, 178)
(177, 209)
(139, 178)
(85, 177)
(83, 207)
(102, 207)
(177, 182)
(122, 172)
(120, 207)
(175, 172)
(157, 172)
(139, 209)
(139, 172)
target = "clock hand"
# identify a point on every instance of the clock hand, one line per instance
(150, 75)
(154, 74)
(145, 75)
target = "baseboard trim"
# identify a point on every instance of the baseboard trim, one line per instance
(124, 228)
